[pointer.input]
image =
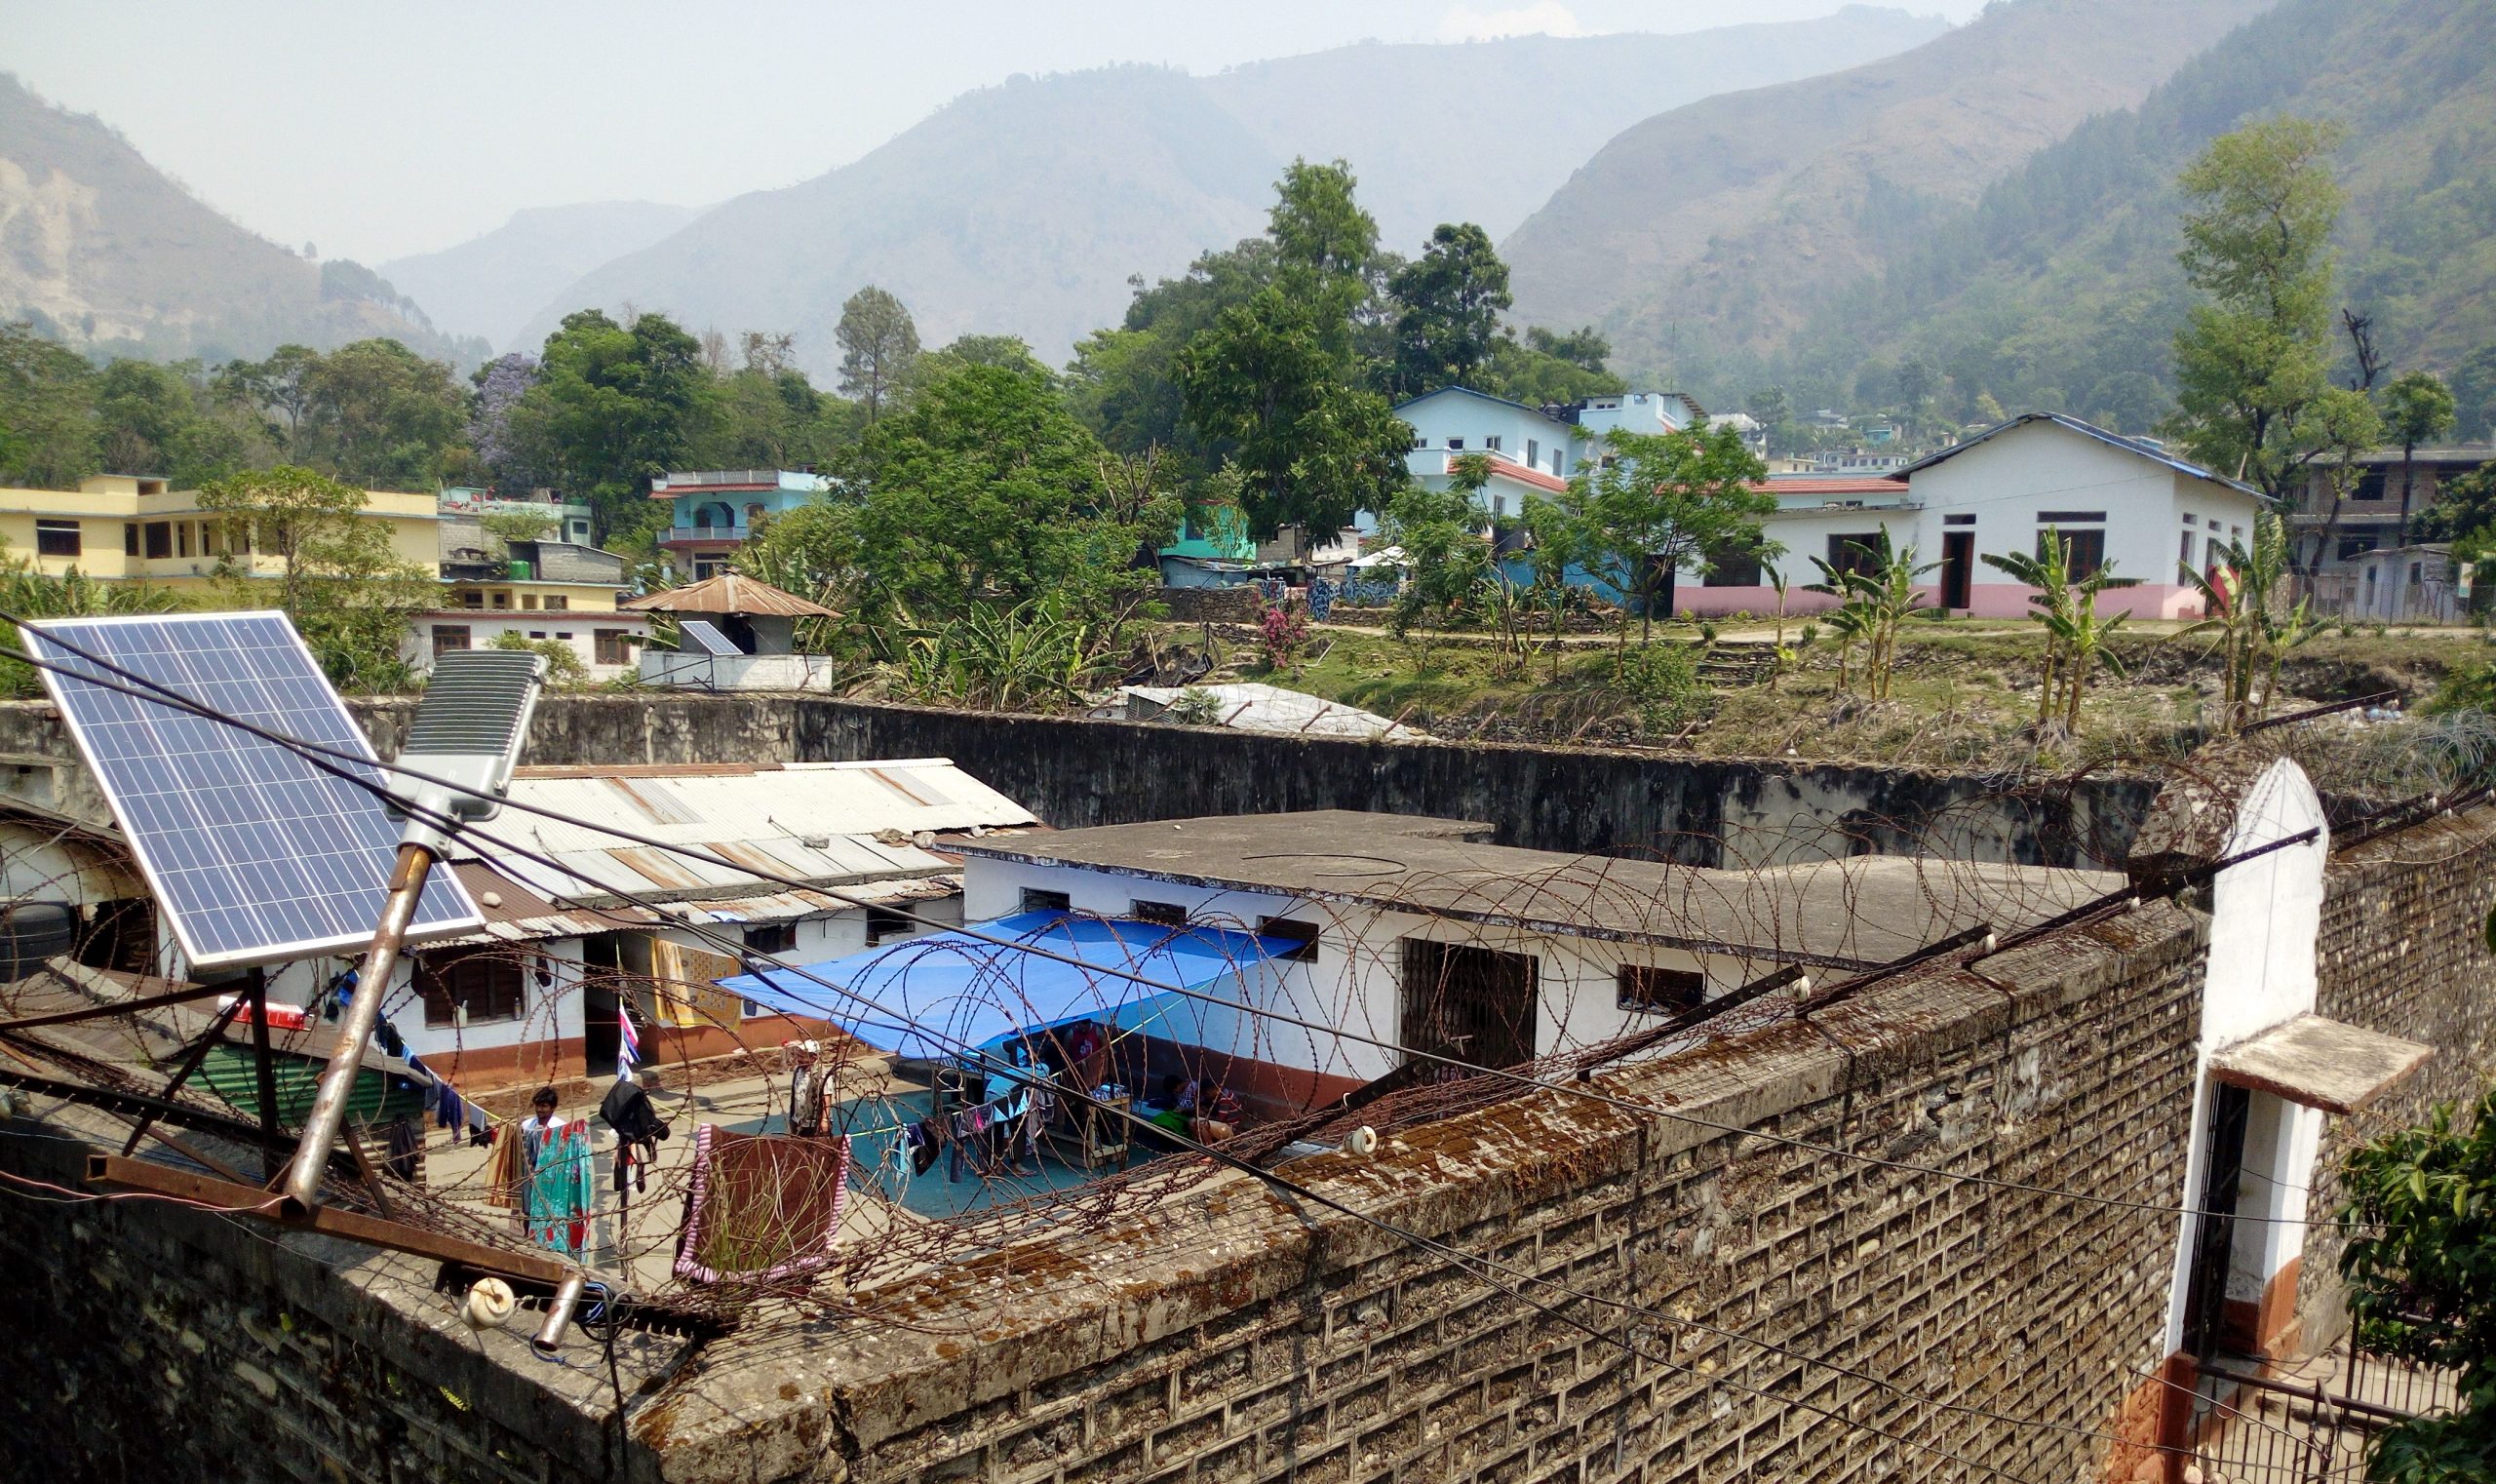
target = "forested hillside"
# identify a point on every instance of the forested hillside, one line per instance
(100, 250)
(2060, 288)
(1702, 239)
(1023, 209)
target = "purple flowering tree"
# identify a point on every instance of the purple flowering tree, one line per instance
(500, 384)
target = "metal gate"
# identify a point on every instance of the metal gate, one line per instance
(2312, 1426)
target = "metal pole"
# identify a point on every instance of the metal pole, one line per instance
(559, 1316)
(355, 1028)
(264, 1074)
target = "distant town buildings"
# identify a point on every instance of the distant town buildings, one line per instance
(714, 511)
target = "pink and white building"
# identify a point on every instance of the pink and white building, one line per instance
(2117, 501)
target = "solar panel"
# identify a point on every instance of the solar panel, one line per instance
(255, 855)
(702, 636)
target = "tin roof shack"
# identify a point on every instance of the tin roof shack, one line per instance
(758, 620)
(1416, 934)
(603, 923)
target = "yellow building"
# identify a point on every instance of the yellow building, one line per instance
(137, 529)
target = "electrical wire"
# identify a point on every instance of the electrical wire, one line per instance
(1464, 1260)
(342, 764)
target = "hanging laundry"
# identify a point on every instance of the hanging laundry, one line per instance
(405, 1143)
(562, 1188)
(762, 1206)
(448, 1112)
(506, 1166)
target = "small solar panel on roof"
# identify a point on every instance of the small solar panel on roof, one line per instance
(699, 634)
(255, 855)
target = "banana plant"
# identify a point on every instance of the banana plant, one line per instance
(1880, 601)
(2076, 637)
(2254, 625)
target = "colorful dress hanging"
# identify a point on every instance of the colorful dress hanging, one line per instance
(563, 1189)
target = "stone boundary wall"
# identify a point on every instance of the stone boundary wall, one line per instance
(1236, 1334)
(2403, 949)
(1238, 603)
(151, 1341)
(1074, 772)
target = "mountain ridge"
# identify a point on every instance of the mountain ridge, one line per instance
(1721, 223)
(491, 283)
(102, 249)
(1176, 165)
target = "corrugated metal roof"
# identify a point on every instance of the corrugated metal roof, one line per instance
(801, 802)
(728, 593)
(510, 927)
(1251, 706)
(830, 824)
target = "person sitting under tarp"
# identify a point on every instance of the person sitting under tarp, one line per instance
(1185, 1110)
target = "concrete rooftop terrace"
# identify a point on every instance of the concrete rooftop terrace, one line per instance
(1854, 913)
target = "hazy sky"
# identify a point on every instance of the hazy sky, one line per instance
(376, 129)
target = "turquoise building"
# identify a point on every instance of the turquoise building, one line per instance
(715, 509)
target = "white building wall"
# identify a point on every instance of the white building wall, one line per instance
(575, 628)
(1355, 984)
(2264, 913)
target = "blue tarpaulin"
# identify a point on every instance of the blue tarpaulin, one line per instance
(933, 996)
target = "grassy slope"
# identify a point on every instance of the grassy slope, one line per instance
(1964, 695)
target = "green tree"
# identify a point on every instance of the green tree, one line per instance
(2464, 513)
(1275, 381)
(47, 411)
(1448, 306)
(1123, 382)
(1917, 382)
(153, 419)
(337, 576)
(280, 384)
(2417, 408)
(612, 407)
(2475, 394)
(2421, 1274)
(2252, 358)
(1446, 558)
(1658, 503)
(985, 490)
(1543, 369)
(1775, 414)
(878, 341)
(376, 413)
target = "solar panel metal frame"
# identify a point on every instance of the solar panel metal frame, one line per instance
(707, 635)
(445, 910)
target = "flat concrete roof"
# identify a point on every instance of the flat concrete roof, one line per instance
(1851, 913)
